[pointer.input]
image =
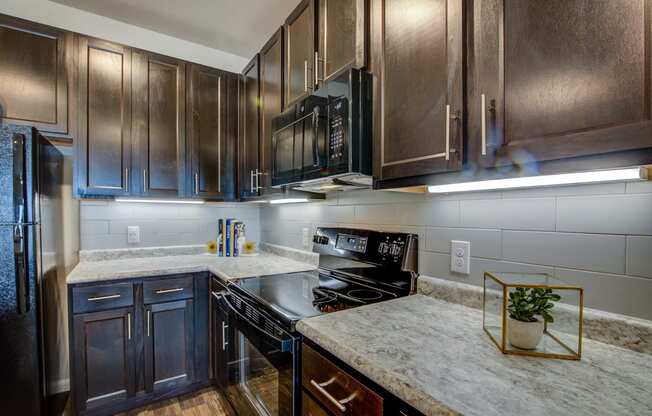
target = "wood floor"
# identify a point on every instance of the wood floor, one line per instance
(207, 402)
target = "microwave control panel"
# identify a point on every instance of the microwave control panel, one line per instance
(337, 127)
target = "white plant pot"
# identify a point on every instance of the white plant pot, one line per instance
(524, 335)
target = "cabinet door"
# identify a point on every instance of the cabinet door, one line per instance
(418, 100)
(103, 358)
(35, 68)
(249, 130)
(559, 78)
(159, 124)
(169, 345)
(271, 100)
(342, 37)
(299, 51)
(207, 132)
(104, 109)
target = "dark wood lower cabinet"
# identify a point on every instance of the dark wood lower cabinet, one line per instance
(137, 341)
(169, 345)
(103, 352)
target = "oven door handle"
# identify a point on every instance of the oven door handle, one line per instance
(285, 344)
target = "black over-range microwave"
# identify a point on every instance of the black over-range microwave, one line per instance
(323, 142)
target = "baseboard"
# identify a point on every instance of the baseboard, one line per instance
(58, 386)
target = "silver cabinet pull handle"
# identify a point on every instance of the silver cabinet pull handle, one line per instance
(96, 298)
(483, 119)
(149, 317)
(163, 291)
(448, 131)
(127, 179)
(128, 325)
(305, 76)
(196, 183)
(338, 403)
(219, 134)
(224, 341)
(251, 180)
(145, 180)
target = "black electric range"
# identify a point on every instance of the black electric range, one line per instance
(258, 315)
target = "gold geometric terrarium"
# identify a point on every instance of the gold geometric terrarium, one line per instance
(533, 314)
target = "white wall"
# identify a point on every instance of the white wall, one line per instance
(104, 223)
(597, 236)
(76, 20)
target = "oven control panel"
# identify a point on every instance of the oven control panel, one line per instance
(351, 242)
(390, 248)
(337, 121)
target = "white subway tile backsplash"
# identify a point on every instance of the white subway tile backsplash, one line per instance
(606, 214)
(94, 227)
(104, 223)
(639, 256)
(610, 292)
(602, 253)
(433, 213)
(514, 214)
(438, 265)
(484, 243)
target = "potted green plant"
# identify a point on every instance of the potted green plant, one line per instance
(529, 309)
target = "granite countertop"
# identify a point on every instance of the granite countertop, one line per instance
(434, 355)
(227, 268)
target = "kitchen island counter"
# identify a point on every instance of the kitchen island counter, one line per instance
(435, 356)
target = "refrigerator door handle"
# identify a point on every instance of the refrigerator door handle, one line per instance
(20, 259)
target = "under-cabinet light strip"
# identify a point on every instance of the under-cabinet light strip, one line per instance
(288, 201)
(615, 175)
(162, 201)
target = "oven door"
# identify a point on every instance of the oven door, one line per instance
(262, 367)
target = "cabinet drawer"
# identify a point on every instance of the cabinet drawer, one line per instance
(102, 297)
(165, 290)
(335, 389)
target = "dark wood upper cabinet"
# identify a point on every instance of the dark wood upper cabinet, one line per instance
(418, 100)
(36, 71)
(342, 37)
(103, 148)
(271, 101)
(103, 358)
(557, 79)
(299, 52)
(210, 143)
(159, 113)
(169, 345)
(248, 148)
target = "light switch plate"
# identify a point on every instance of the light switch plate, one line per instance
(460, 257)
(133, 234)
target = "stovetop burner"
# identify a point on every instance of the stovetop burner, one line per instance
(365, 295)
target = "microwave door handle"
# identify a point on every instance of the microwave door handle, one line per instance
(315, 143)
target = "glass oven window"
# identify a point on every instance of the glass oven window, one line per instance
(263, 377)
(258, 377)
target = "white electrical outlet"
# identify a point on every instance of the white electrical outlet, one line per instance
(307, 240)
(133, 234)
(460, 257)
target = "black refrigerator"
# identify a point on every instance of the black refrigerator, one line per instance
(31, 171)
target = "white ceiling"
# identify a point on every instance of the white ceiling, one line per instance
(240, 27)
